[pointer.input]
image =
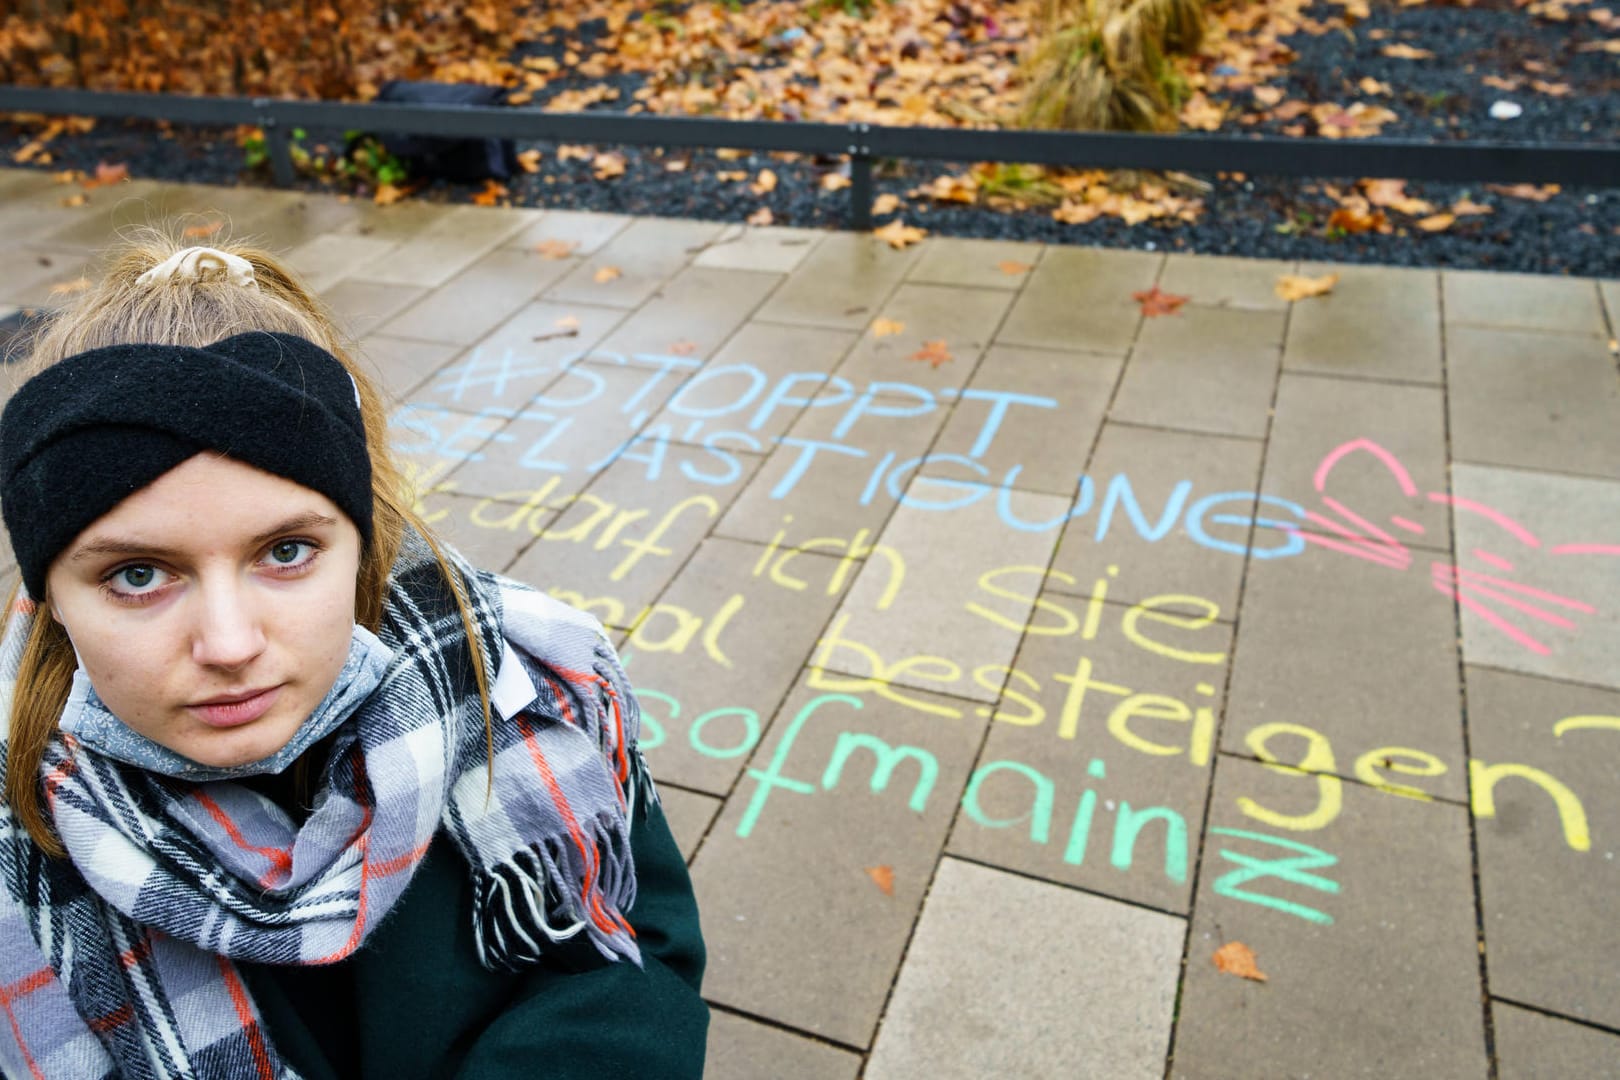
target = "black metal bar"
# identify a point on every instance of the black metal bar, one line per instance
(1562, 163)
(278, 144)
(860, 192)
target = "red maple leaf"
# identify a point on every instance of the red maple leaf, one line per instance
(934, 352)
(1155, 302)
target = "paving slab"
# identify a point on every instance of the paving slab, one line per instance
(1379, 322)
(1203, 369)
(1548, 872)
(1080, 298)
(44, 277)
(1610, 292)
(1028, 418)
(482, 296)
(692, 314)
(585, 230)
(743, 1049)
(1345, 449)
(846, 795)
(735, 628)
(772, 249)
(1222, 281)
(95, 223)
(1534, 400)
(635, 263)
(1534, 1046)
(1369, 947)
(842, 283)
(929, 629)
(283, 225)
(980, 264)
(361, 307)
(1523, 301)
(752, 390)
(1097, 766)
(397, 222)
(446, 246)
(1178, 484)
(326, 260)
(403, 365)
(1539, 554)
(995, 976)
(689, 815)
(818, 483)
(963, 320)
(490, 533)
(615, 546)
(1350, 659)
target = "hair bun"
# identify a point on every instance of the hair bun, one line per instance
(189, 264)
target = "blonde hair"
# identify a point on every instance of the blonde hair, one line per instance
(195, 312)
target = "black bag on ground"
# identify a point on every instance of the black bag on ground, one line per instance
(435, 157)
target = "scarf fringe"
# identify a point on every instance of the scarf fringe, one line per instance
(522, 904)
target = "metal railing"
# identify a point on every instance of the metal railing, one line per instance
(1410, 159)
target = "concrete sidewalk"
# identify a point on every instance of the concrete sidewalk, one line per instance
(1004, 654)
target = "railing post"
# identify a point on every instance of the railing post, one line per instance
(860, 178)
(278, 144)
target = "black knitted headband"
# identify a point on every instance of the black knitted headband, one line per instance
(90, 431)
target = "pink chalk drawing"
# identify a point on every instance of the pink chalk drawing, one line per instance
(1509, 607)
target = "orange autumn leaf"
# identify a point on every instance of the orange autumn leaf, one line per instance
(568, 322)
(898, 235)
(886, 327)
(1407, 52)
(1437, 222)
(1354, 221)
(108, 174)
(1012, 267)
(835, 182)
(606, 274)
(553, 248)
(529, 160)
(887, 203)
(608, 166)
(492, 194)
(1299, 287)
(78, 198)
(935, 352)
(1155, 303)
(1465, 207)
(388, 194)
(882, 877)
(1236, 958)
(761, 217)
(202, 232)
(764, 183)
(1533, 192)
(684, 347)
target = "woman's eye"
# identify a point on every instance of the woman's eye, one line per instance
(135, 580)
(285, 553)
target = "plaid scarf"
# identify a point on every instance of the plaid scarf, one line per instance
(119, 961)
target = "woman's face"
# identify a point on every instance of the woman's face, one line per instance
(212, 610)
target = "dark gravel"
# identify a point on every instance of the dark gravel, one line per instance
(1575, 232)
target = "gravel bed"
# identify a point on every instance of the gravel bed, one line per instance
(1574, 232)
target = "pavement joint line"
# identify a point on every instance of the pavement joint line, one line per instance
(1542, 677)
(787, 1028)
(1539, 331)
(1338, 775)
(1197, 856)
(1070, 886)
(1186, 431)
(1487, 1017)
(1357, 377)
(1592, 1025)
(1612, 478)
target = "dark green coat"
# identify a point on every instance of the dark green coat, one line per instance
(414, 1001)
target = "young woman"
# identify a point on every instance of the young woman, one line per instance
(290, 790)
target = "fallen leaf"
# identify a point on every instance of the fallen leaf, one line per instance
(764, 183)
(78, 198)
(1202, 114)
(1497, 82)
(1236, 958)
(606, 274)
(678, 165)
(1465, 207)
(573, 152)
(1407, 52)
(1268, 95)
(886, 327)
(887, 203)
(1354, 221)
(108, 174)
(731, 176)
(1533, 192)
(762, 216)
(1610, 46)
(553, 248)
(1012, 267)
(1155, 303)
(882, 877)
(529, 160)
(387, 194)
(835, 182)
(568, 322)
(730, 153)
(62, 288)
(1370, 85)
(1437, 222)
(1551, 89)
(898, 235)
(198, 232)
(934, 352)
(494, 191)
(608, 166)
(1299, 287)
(683, 347)
(1392, 194)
